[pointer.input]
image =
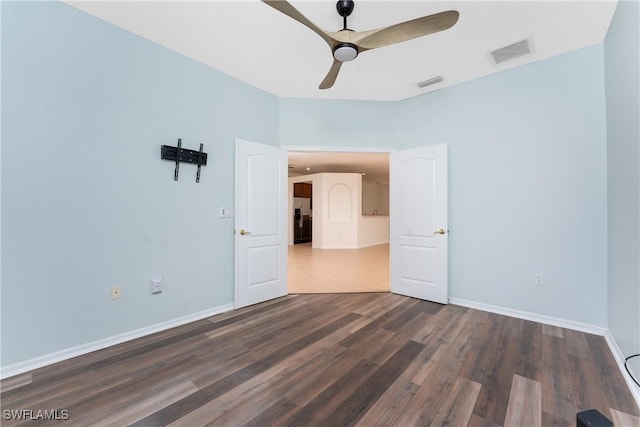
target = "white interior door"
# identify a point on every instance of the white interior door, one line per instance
(418, 222)
(261, 223)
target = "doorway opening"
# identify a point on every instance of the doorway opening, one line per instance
(417, 231)
(339, 221)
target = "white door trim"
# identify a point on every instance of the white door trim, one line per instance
(306, 148)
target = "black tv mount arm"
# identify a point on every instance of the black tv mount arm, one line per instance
(179, 154)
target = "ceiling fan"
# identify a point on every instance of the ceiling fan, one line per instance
(346, 44)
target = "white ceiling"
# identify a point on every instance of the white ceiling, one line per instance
(257, 44)
(374, 166)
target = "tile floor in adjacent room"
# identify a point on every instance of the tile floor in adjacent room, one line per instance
(338, 270)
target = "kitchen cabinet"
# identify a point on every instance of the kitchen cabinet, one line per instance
(302, 189)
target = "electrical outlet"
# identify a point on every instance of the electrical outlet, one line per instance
(156, 285)
(116, 292)
(539, 279)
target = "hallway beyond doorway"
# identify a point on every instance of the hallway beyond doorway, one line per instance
(338, 270)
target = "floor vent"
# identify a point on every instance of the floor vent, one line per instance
(515, 50)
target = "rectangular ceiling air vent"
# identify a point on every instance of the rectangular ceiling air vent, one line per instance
(515, 50)
(429, 82)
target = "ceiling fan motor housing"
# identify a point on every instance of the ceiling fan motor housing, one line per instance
(345, 7)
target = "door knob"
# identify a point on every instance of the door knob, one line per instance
(441, 231)
(244, 232)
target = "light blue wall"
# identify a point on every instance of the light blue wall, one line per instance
(622, 71)
(527, 177)
(87, 203)
(332, 123)
(527, 184)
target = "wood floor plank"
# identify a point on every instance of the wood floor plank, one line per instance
(208, 411)
(550, 420)
(623, 419)
(244, 355)
(494, 370)
(477, 421)
(309, 387)
(437, 381)
(458, 407)
(258, 396)
(407, 316)
(587, 385)
(350, 398)
(143, 406)
(201, 397)
(385, 348)
(90, 409)
(447, 343)
(274, 415)
(610, 376)
(459, 337)
(576, 343)
(525, 403)
(374, 359)
(316, 411)
(254, 320)
(439, 325)
(388, 409)
(15, 382)
(380, 306)
(262, 391)
(529, 358)
(552, 331)
(353, 409)
(558, 394)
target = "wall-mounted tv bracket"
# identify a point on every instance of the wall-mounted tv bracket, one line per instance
(179, 154)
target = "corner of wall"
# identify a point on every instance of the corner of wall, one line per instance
(619, 357)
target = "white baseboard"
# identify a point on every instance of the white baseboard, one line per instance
(619, 356)
(540, 318)
(59, 356)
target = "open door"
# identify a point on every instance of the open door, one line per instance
(261, 223)
(418, 223)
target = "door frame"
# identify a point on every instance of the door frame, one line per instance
(305, 148)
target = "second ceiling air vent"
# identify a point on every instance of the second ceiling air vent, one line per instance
(515, 50)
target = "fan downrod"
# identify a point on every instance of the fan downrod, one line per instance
(344, 8)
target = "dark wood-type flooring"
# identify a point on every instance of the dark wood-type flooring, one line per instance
(374, 359)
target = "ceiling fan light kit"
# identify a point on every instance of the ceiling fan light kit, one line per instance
(346, 46)
(345, 52)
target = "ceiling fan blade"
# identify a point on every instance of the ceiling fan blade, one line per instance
(330, 79)
(406, 30)
(286, 8)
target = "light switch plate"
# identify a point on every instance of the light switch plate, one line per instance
(156, 285)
